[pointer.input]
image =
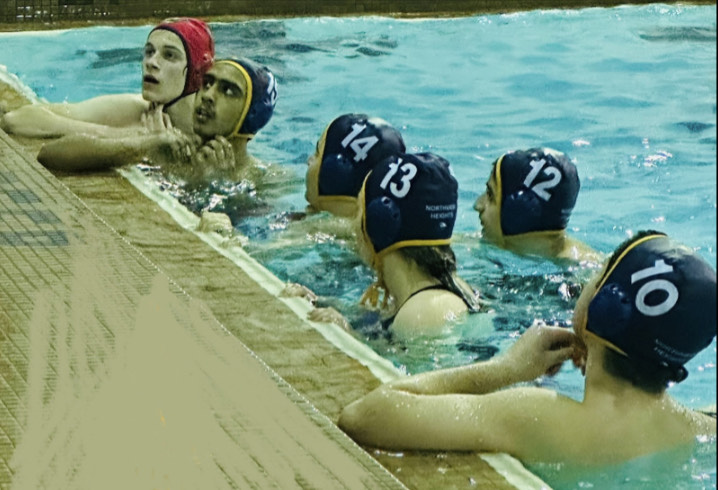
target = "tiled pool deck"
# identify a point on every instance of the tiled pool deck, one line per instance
(134, 355)
(113, 376)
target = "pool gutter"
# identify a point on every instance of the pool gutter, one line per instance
(505, 465)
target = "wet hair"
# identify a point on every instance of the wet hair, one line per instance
(644, 375)
(440, 263)
(649, 348)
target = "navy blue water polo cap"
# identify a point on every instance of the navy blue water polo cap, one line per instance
(656, 302)
(353, 145)
(409, 200)
(261, 96)
(538, 190)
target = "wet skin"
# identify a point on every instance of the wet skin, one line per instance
(490, 212)
(312, 185)
(219, 102)
(164, 67)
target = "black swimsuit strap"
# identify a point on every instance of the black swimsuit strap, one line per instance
(386, 322)
(472, 309)
(427, 288)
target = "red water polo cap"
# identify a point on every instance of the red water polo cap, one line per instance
(199, 47)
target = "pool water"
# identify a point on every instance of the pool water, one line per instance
(629, 93)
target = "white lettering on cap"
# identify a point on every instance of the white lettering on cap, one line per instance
(542, 188)
(408, 169)
(360, 146)
(660, 267)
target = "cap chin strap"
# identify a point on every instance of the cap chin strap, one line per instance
(173, 101)
(606, 343)
(378, 288)
(371, 295)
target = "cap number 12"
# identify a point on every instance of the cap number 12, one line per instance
(541, 189)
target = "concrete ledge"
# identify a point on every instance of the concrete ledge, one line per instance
(26, 15)
(95, 244)
(113, 376)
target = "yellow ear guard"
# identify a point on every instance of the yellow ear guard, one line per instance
(248, 100)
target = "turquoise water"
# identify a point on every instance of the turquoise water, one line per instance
(629, 93)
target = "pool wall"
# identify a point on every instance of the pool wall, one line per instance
(35, 14)
(116, 201)
(123, 227)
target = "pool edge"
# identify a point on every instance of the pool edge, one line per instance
(511, 469)
(131, 13)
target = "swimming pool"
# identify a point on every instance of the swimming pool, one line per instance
(629, 93)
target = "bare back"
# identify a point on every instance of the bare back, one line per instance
(604, 429)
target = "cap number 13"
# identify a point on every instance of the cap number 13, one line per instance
(409, 170)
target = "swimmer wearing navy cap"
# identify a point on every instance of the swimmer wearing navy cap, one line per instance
(527, 204)
(235, 100)
(176, 55)
(349, 148)
(407, 211)
(636, 325)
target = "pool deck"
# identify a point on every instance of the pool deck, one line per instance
(31, 14)
(135, 355)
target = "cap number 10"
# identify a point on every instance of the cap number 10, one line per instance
(668, 287)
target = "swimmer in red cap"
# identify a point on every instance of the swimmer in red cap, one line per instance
(235, 100)
(635, 326)
(527, 204)
(177, 54)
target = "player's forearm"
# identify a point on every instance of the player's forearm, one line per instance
(540, 350)
(38, 121)
(85, 152)
(478, 378)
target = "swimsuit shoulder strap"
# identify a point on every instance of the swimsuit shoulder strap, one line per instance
(386, 322)
(427, 288)
(707, 412)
